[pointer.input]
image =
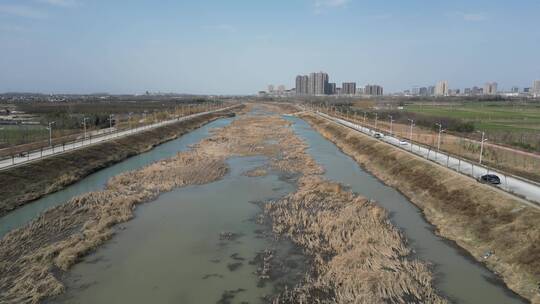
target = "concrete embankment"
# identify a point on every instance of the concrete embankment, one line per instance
(493, 227)
(27, 183)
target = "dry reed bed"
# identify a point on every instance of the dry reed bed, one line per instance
(358, 256)
(475, 216)
(32, 258)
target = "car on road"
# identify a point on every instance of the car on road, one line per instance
(378, 135)
(403, 143)
(491, 179)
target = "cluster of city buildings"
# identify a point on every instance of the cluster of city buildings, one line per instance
(318, 84)
(489, 89)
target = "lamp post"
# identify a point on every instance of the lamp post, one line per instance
(50, 132)
(110, 121)
(439, 139)
(84, 126)
(410, 132)
(482, 146)
(129, 120)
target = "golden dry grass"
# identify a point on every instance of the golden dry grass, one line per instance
(358, 256)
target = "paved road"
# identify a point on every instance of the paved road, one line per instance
(17, 161)
(520, 187)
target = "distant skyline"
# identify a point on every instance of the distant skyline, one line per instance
(239, 47)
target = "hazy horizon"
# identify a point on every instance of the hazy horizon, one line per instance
(240, 47)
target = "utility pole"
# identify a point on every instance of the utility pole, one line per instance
(365, 117)
(376, 118)
(50, 132)
(391, 124)
(410, 132)
(482, 146)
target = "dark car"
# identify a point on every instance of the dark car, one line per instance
(490, 179)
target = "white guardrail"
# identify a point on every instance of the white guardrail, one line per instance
(528, 190)
(14, 161)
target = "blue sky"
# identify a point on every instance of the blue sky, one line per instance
(239, 47)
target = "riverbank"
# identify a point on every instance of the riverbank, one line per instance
(27, 183)
(496, 229)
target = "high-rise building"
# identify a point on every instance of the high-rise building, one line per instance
(423, 91)
(348, 88)
(490, 88)
(431, 90)
(477, 91)
(374, 90)
(302, 84)
(515, 90)
(331, 88)
(318, 83)
(468, 91)
(441, 89)
(536, 88)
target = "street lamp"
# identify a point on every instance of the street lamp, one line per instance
(110, 121)
(410, 132)
(129, 120)
(50, 132)
(84, 126)
(439, 139)
(482, 145)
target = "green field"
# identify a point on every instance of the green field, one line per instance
(487, 116)
(19, 134)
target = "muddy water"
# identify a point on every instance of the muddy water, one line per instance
(459, 277)
(171, 251)
(96, 181)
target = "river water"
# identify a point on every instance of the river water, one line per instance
(171, 251)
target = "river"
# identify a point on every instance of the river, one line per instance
(171, 252)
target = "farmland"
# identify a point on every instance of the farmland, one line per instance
(497, 117)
